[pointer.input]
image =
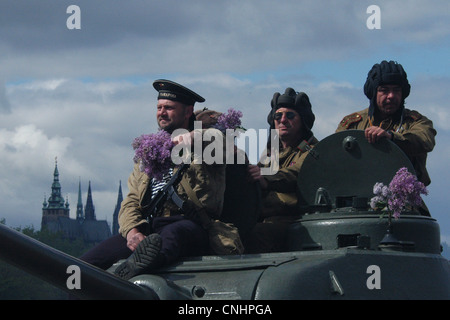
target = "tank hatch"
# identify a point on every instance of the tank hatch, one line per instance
(341, 170)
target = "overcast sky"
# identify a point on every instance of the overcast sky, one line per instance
(83, 95)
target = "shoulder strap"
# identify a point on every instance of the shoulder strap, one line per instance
(201, 214)
(191, 194)
(306, 145)
(350, 119)
(413, 114)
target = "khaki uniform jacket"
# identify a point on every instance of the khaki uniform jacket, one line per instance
(207, 181)
(281, 197)
(415, 136)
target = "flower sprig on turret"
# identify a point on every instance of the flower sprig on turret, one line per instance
(403, 190)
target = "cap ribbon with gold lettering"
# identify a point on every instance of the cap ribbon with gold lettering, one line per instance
(176, 92)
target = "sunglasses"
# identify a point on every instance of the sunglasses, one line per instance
(278, 115)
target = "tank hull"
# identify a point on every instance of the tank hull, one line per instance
(346, 273)
(333, 256)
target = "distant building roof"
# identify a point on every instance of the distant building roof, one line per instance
(69, 228)
(95, 230)
(88, 230)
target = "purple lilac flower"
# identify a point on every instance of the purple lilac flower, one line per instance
(230, 120)
(385, 192)
(377, 202)
(404, 189)
(377, 187)
(382, 193)
(153, 153)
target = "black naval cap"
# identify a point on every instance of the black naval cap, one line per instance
(176, 92)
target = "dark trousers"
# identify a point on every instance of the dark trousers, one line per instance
(180, 237)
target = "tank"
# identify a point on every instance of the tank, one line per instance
(337, 249)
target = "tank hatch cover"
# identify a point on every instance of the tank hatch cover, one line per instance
(346, 166)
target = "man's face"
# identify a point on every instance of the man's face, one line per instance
(172, 115)
(389, 98)
(289, 124)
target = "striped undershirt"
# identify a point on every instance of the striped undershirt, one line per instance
(157, 185)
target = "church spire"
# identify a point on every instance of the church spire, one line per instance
(80, 215)
(89, 209)
(44, 204)
(56, 201)
(55, 206)
(115, 226)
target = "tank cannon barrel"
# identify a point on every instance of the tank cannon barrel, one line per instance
(52, 266)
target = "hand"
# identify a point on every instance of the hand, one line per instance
(185, 138)
(254, 173)
(134, 237)
(373, 134)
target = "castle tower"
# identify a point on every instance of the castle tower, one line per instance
(115, 226)
(89, 209)
(55, 206)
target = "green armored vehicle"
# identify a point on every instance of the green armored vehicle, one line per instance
(339, 248)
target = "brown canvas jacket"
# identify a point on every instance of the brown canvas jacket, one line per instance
(281, 198)
(207, 181)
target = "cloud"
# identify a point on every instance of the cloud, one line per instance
(418, 22)
(26, 153)
(429, 95)
(5, 106)
(202, 36)
(27, 146)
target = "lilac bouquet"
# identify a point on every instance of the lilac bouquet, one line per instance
(404, 189)
(230, 120)
(153, 153)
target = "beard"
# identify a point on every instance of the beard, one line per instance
(390, 108)
(170, 124)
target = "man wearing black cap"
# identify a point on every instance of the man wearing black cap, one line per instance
(171, 97)
(291, 114)
(386, 117)
(149, 244)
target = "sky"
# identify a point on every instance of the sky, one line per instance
(83, 94)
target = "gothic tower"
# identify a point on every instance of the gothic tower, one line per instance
(55, 216)
(89, 209)
(55, 205)
(115, 226)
